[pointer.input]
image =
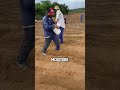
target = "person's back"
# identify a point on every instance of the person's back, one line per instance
(60, 22)
(60, 17)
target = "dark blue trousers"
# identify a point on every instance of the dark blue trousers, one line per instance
(27, 45)
(61, 35)
(27, 12)
(28, 19)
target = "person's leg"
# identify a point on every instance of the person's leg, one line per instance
(81, 19)
(65, 20)
(61, 35)
(46, 44)
(27, 45)
(56, 41)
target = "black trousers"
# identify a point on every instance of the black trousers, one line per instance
(27, 45)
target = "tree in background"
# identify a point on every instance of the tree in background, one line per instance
(42, 7)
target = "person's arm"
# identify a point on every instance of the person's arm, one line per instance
(47, 27)
(57, 16)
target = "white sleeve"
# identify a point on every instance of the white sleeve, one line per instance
(57, 15)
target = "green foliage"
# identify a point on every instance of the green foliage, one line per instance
(77, 10)
(42, 7)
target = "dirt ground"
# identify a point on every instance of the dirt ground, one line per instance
(11, 77)
(62, 75)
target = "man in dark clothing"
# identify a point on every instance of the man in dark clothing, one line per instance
(28, 24)
(48, 26)
(81, 18)
(65, 18)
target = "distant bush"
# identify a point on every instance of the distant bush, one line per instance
(38, 17)
(42, 7)
(77, 10)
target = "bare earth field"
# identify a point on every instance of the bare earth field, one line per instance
(62, 75)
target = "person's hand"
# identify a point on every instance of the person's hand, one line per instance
(56, 26)
(55, 21)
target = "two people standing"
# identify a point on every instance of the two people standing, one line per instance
(49, 25)
(49, 35)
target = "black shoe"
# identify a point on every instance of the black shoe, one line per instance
(43, 53)
(23, 66)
